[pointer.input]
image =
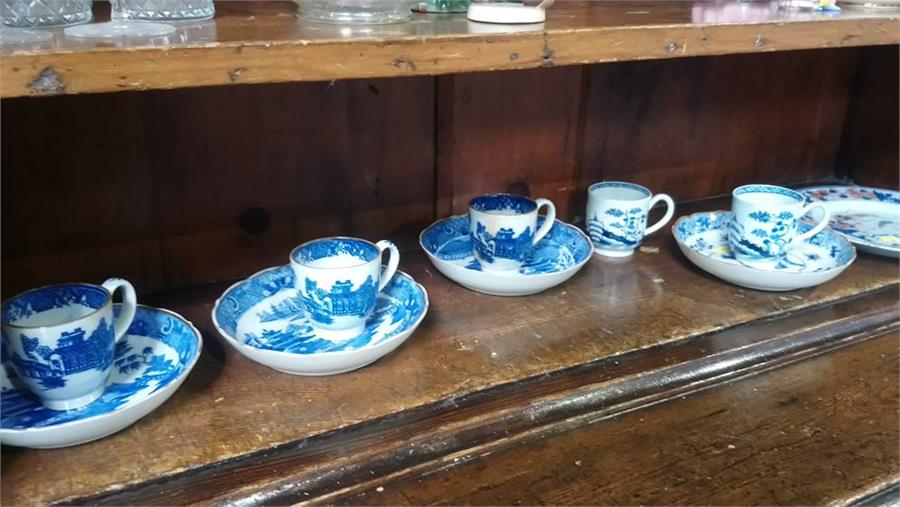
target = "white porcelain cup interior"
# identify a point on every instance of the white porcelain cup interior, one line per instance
(60, 339)
(338, 280)
(764, 219)
(616, 216)
(504, 229)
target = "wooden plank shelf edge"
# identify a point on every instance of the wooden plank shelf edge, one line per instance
(337, 465)
(442, 49)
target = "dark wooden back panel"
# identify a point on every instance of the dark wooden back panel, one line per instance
(869, 153)
(177, 188)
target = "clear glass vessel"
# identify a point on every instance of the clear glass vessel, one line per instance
(27, 13)
(163, 10)
(366, 12)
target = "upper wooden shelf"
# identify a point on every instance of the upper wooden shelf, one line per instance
(265, 42)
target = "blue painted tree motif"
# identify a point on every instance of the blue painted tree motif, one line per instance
(628, 230)
(761, 216)
(772, 235)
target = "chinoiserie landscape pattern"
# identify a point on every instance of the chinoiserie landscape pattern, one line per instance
(158, 349)
(262, 312)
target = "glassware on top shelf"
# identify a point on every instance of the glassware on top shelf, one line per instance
(353, 12)
(163, 10)
(32, 13)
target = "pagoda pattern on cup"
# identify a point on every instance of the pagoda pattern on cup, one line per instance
(506, 244)
(618, 227)
(60, 339)
(341, 300)
(504, 229)
(73, 354)
(337, 282)
(152, 359)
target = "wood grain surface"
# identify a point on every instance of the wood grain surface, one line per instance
(265, 42)
(811, 433)
(230, 407)
(181, 188)
(873, 126)
(702, 127)
(185, 187)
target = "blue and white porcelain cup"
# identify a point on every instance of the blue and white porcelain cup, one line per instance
(763, 226)
(617, 216)
(60, 339)
(338, 280)
(504, 229)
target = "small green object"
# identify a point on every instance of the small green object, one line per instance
(439, 6)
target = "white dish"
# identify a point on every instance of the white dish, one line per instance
(868, 217)
(703, 238)
(150, 363)
(558, 256)
(262, 318)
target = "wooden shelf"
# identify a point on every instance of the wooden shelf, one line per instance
(619, 334)
(265, 42)
(791, 436)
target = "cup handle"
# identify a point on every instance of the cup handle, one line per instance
(129, 304)
(393, 261)
(826, 217)
(548, 222)
(670, 210)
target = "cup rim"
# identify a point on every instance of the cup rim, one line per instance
(108, 302)
(742, 190)
(622, 184)
(377, 257)
(534, 205)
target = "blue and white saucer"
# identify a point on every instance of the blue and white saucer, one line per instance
(703, 238)
(558, 256)
(150, 363)
(868, 217)
(262, 318)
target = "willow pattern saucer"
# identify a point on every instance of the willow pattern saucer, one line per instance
(262, 318)
(703, 238)
(150, 363)
(868, 217)
(558, 256)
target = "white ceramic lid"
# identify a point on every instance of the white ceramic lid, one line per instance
(506, 13)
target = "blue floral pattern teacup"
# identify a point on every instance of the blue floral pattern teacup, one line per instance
(763, 226)
(617, 216)
(60, 339)
(338, 280)
(504, 229)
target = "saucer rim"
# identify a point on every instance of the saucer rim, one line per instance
(513, 274)
(329, 354)
(758, 270)
(176, 381)
(871, 245)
